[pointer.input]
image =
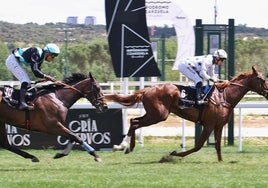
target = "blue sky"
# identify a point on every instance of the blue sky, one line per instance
(251, 13)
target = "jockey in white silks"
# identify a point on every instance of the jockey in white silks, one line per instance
(199, 68)
(34, 57)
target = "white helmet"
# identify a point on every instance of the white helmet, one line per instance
(52, 48)
(220, 53)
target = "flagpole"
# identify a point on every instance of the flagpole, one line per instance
(215, 12)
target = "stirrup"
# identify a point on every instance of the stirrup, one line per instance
(25, 107)
(201, 102)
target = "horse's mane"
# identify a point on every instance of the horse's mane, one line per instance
(76, 77)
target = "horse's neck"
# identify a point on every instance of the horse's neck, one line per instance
(68, 96)
(235, 92)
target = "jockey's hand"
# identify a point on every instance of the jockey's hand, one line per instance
(50, 78)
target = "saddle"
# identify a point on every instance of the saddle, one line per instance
(187, 98)
(11, 95)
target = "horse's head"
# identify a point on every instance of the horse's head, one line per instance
(94, 94)
(258, 84)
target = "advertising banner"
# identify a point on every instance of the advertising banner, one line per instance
(128, 39)
(100, 130)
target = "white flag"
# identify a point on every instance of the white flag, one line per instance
(168, 12)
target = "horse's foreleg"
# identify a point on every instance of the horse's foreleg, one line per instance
(218, 135)
(204, 136)
(72, 137)
(66, 151)
(5, 145)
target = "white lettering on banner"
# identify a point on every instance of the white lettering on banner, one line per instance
(16, 139)
(19, 140)
(83, 126)
(137, 51)
(96, 138)
(11, 130)
(87, 130)
(157, 10)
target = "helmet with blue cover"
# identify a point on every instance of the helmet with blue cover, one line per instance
(52, 48)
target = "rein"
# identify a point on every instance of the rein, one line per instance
(241, 85)
(225, 103)
(83, 94)
(71, 87)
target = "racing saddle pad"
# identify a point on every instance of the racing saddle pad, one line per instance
(11, 95)
(188, 95)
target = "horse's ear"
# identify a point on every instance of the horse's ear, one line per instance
(90, 75)
(254, 70)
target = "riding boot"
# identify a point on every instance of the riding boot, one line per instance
(199, 99)
(23, 90)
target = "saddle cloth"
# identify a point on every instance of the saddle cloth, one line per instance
(11, 95)
(188, 95)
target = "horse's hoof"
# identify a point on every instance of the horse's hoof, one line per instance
(97, 159)
(173, 153)
(117, 148)
(59, 155)
(35, 160)
(127, 151)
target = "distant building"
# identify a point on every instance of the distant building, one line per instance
(72, 20)
(90, 20)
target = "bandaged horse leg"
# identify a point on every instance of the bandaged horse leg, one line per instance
(66, 151)
(123, 145)
(91, 151)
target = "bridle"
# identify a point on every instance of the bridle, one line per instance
(93, 100)
(227, 104)
(263, 92)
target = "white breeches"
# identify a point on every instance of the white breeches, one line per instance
(17, 70)
(189, 72)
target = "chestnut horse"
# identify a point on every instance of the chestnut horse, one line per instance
(50, 109)
(162, 99)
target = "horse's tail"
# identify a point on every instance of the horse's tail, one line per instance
(126, 100)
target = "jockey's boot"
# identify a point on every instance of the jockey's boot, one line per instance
(23, 90)
(199, 99)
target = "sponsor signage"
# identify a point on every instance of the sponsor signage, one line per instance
(100, 130)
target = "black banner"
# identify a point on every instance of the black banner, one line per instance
(128, 38)
(100, 130)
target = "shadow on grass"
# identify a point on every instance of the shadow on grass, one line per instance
(18, 169)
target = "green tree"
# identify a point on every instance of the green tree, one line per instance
(4, 53)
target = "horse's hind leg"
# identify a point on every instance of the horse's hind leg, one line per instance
(204, 136)
(160, 113)
(5, 145)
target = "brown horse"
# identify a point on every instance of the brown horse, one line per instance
(50, 109)
(162, 99)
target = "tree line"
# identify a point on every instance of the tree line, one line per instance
(89, 52)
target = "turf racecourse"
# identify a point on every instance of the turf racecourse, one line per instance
(247, 169)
